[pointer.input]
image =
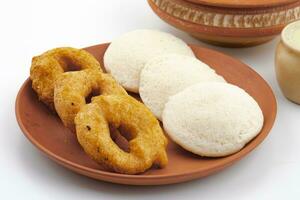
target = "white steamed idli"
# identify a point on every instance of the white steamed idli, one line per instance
(212, 119)
(169, 74)
(128, 54)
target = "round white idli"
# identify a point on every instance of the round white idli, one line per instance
(169, 74)
(212, 119)
(128, 54)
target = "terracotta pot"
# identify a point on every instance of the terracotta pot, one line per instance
(229, 23)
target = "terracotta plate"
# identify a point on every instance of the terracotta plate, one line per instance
(45, 130)
(243, 3)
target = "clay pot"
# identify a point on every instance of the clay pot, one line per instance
(229, 23)
(287, 62)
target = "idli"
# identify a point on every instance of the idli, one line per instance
(128, 54)
(169, 74)
(212, 119)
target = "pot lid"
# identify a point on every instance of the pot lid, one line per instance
(242, 3)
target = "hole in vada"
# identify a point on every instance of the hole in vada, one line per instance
(72, 68)
(69, 65)
(121, 136)
(93, 93)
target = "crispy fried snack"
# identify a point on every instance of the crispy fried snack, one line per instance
(46, 68)
(72, 88)
(147, 147)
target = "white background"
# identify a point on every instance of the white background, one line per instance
(28, 28)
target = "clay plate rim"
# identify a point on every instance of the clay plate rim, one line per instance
(243, 3)
(163, 178)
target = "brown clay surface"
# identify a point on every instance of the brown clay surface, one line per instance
(242, 34)
(242, 3)
(47, 133)
(232, 42)
(211, 31)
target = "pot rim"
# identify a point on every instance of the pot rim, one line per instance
(287, 31)
(243, 3)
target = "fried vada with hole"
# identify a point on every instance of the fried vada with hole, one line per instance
(49, 66)
(148, 143)
(73, 88)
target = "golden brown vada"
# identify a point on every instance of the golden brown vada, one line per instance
(47, 67)
(147, 147)
(73, 88)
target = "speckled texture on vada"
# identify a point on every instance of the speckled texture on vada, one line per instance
(49, 66)
(147, 147)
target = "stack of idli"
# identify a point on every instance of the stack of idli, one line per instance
(199, 110)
